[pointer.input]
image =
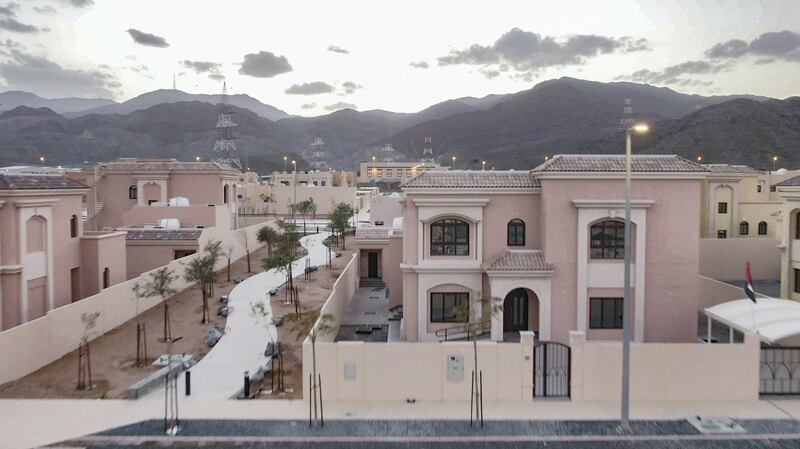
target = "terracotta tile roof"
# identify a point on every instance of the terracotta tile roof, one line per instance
(491, 179)
(791, 182)
(613, 163)
(728, 168)
(376, 233)
(38, 182)
(520, 260)
(163, 234)
(134, 164)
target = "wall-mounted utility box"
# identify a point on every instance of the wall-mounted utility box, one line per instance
(455, 368)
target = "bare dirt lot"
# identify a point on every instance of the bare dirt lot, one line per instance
(312, 295)
(113, 355)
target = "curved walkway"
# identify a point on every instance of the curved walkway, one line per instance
(220, 374)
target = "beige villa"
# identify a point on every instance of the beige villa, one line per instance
(549, 244)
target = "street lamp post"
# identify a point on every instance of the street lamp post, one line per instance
(483, 165)
(41, 161)
(454, 163)
(774, 163)
(699, 159)
(626, 300)
(197, 158)
(294, 188)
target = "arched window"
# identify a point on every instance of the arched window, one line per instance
(225, 194)
(762, 228)
(744, 228)
(450, 237)
(607, 240)
(516, 232)
(106, 278)
(132, 192)
(73, 226)
(797, 226)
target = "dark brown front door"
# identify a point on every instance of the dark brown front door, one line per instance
(372, 265)
(515, 311)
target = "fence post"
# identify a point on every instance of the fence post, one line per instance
(188, 378)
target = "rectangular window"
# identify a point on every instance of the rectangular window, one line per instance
(772, 188)
(323, 183)
(443, 306)
(408, 172)
(607, 240)
(605, 313)
(722, 208)
(758, 188)
(450, 237)
(722, 234)
(380, 173)
(796, 280)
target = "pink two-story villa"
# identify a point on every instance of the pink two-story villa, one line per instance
(549, 244)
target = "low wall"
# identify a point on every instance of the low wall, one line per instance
(725, 259)
(666, 372)
(30, 346)
(340, 297)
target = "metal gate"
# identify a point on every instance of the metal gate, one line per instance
(779, 371)
(552, 367)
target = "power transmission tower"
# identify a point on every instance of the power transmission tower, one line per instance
(388, 153)
(427, 152)
(627, 115)
(318, 157)
(225, 147)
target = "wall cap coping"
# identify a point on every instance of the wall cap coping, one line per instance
(11, 269)
(449, 202)
(638, 204)
(35, 203)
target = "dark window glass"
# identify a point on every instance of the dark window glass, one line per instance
(106, 278)
(607, 240)
(796, 280)
(797, 226)
(605, 313)
(758, 188)
(443, 306)
(762, 228)
(73, 226)
(450, 237)
(225, 194)
(516, 233)
(772, 188)
(722, 234)
(132, 192)
(744, 228)
(722, 208)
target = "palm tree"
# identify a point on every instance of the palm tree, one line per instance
(309, 323)
(269, 237)
(304, 208)
(160, 285)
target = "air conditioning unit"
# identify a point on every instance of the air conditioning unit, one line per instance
(199, 226)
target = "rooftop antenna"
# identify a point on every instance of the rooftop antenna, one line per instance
(427, 151)
(225, 147)
(627, 115)
(174, 84)
(388, 153)
(318, 157)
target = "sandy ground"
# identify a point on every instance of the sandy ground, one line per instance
(312, 294)
(114, 354)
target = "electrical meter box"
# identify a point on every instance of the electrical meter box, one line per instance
(455, 368)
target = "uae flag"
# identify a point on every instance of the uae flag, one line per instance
(748, 284)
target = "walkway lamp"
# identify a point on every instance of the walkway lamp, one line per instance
(284, 163)
(454, 163)
(774, 163)
(483, 165)
(639, 128)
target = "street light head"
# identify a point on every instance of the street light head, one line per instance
(454, 158)
(641, 128)
(774, 158)
(41, 158)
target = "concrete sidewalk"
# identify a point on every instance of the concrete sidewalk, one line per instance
(31, 423)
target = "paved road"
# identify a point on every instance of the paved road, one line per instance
(219, 375)
(443, 434)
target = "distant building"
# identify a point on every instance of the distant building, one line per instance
(388, 172)
(47, 259)
(741, 201)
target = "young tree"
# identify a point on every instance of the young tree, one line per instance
(141, 333)
(245, 240)
(340, 220)
(476, 317)
(201, 270)
(304, 208)
(269, 237)
(228, 253)
(312, 207)
(267, 198)
(282, 258)
(309, 323)
(89, 322)
(160, 285)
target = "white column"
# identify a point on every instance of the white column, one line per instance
(639, 217)
(583, 256)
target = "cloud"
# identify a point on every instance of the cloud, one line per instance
(9, 10)
(313, 88)
(79, 3)
(264, 65)
(340, 105)
(147, 39)
(677, 74)
(336, 49)
(419, 65)
(24, 71)
(768, 47)
(214, 69)
(525, 51)
(216, 76)
(46, 9)
(350, 87)
(490, 74)
(11, 24)
(308, 106)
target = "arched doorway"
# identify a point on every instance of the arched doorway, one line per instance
(520, 313)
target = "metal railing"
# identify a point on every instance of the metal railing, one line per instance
(460, 331)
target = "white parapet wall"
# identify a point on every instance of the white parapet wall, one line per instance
(666, 372)
(32, 345)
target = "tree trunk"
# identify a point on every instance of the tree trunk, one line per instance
(205, 303)
(248, 260)
(314, 371)
(229, 269)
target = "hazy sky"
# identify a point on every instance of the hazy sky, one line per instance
(312, 57)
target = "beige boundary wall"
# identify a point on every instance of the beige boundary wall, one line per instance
(30, 346)
(666, 372)
(725, 259)
(661, 372)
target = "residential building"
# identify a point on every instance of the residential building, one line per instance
(47, 259)
(378, 171)
(789, 216)
(741, 201)
(549, 244)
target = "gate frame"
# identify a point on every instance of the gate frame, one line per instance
(762, 363)
(544, 345)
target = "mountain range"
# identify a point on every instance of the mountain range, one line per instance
(516, 130)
